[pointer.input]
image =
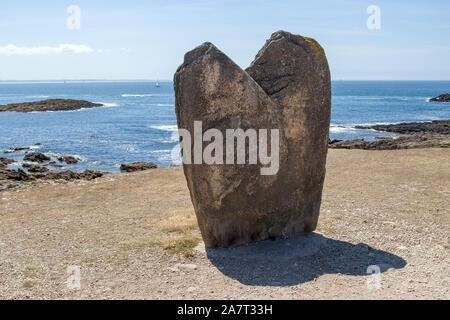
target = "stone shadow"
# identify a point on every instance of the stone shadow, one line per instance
(295, 260)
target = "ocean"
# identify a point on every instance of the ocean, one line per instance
(138, 121)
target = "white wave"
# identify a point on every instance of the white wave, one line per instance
(171, 128)
(35, 97)
(140, 95)
(165, 105)
(341, 129)
(57, 155)
(108, 104)
(137, 95)
(403, 98)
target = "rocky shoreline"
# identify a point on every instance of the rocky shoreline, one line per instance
(413, 135)
(36, 169)
(49, 105)
(37, 166)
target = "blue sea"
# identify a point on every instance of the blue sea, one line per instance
(138, 122)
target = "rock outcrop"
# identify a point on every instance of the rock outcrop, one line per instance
(4, 162)
(36, 157)
(137, 166)
(34, 168)
(414, 141)
(437, 126)
(70, 175)
(16, 149)
(287, 87)
(69, 159)
(441, 98)
(50, 105)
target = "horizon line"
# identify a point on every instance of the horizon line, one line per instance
(169, 80)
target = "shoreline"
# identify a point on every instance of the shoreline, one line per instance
(34, 168)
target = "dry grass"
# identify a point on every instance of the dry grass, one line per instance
(28, 284)
(184, 246)
(181, 222)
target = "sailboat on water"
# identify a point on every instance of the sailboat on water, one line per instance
(157, 84)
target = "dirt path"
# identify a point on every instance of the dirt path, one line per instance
(135, 236)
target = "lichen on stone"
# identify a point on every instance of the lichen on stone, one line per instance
(320, 53)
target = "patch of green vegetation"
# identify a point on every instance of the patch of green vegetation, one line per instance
(437, 144)
(30, 272)
(183, 246)
(59, 181)
(27, 284)
(32, 183)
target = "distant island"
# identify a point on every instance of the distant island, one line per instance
(49, 105)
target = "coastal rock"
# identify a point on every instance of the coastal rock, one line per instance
(12, 150)
(49, 105)
(437, 126)
(34, 168)
(36, 157)
(18, 175)
(54, 164)
(69, 159)
(137, 166)
(70, 175)
(441, 98)
(417, 140)
(287, 87)
(4, 162)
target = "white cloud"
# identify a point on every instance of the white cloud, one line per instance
(12, 50)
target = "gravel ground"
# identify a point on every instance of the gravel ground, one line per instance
(383, 212)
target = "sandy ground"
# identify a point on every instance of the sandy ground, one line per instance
(382, 211)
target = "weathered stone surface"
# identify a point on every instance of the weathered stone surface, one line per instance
(287, 87)
(137, 166)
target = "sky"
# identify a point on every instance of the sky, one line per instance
(134, 39)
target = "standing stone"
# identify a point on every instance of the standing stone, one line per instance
(287, 87)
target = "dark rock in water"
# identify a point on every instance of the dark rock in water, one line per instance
(54, 164)
(438, 126)
(34, 168)
(36, 157)
(49, 105)
(333, 141)
(11, 150)
(441, 98)
(69, 159)
(4, 162)
(287, 87)
(137, 166)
